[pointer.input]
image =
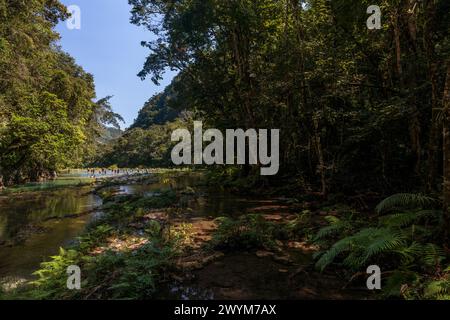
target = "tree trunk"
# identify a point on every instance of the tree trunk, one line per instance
(434, 141)
(434, 138)
(398, 49)
(321, 166)
(446, 152)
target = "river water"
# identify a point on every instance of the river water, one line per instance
(32, 226)
(40, 217)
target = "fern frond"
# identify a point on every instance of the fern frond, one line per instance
(385, 240)
(396, 280)
(404, 201)
(399, 220)
(410, 253)
(327, 231)
(336, 225)
(432, 255)
(355, 259)
(332, 220)
(436, 214)
(437, 289)
(364, 245)
(330, 255)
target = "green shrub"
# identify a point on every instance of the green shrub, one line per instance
(247, 232)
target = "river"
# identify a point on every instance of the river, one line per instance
(32, 226)
(40, 218)
(46, 220)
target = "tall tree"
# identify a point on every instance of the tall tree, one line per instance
(446, 152)
(354, 105)
(47, 108)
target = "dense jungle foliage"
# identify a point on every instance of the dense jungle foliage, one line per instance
(364, 115)
(359, 110)
(49, 118)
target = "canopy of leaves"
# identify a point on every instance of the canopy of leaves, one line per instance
(48, 117)
(357, 108)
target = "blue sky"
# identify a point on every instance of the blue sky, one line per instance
(108, 46)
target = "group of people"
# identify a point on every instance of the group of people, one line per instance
(94, 173)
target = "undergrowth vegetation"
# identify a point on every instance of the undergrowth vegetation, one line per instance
(403, 239)
(246, 232)
(130, 251)
(254, 231)
(118, 260)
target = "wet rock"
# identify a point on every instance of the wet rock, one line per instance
(197, 262)
(302, 246)
(264, 254)
(190, 265)
(137, 225)
(212, 257)
(157, 215)
(233, 293)
(273, 217)
(116, 244)
(188, 191)
(177, 277)
(283, 260)
(279, 243)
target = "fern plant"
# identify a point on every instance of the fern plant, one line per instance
(363, 246)
(438, 289)
(336, 226)
(404, 201)
(400, 241)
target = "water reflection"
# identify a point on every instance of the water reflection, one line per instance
(33, 215)
(207, 202)
(19, 261)
(18, 211)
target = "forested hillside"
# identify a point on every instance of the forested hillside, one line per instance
(148, 141)
(49, 119)
(159, 109)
